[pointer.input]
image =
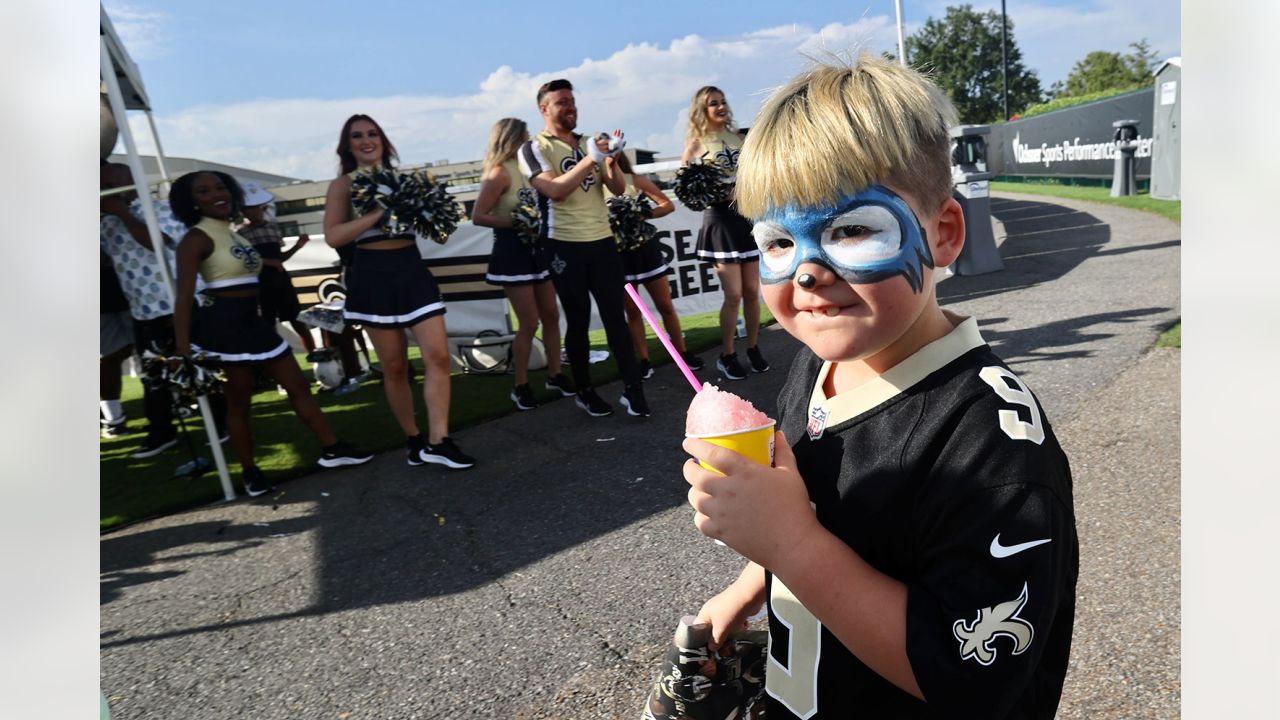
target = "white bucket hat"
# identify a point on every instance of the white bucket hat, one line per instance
(255, 195)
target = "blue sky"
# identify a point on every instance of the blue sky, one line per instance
(267, 85)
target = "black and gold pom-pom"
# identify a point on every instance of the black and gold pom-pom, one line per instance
(698, 185)
(526, 219)
(414, 201)
(193, 376)
(628, 218)
(433, 212)
(373, 188)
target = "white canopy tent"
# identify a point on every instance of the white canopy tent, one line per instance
(125, 92)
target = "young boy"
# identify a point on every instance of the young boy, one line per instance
(276, 295)
(915, 541)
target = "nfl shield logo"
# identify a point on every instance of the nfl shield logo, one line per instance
(817, 422)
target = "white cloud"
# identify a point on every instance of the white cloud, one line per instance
(642, 88)
(1053, 37)
(141, 31)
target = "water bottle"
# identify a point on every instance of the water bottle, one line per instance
(742, 327)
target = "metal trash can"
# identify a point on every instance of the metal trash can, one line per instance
(1123, 181)
(973, 192)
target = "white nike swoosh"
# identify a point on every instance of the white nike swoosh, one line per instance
(1002, 551)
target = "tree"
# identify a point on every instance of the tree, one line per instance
(1102, 70)
(1142, 61)
(961, 52)
(1099, 70)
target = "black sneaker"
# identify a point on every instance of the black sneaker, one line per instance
(522, 396)
(255, 483)
(413, 450)
(561, 383)
(693, 361)
(758, 363)
(729, 365)
(115, 429)
(633, 400)
(448, 454)
(340, 453)
(646, 369)
(588, 400)
(154, 445)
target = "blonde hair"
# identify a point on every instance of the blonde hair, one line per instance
(505, 140)
(698, 113)
(836, 129)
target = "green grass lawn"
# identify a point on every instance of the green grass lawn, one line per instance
(132, 490)
(1171, 209)
(1171, 337)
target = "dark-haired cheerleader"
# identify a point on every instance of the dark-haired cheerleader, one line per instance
(644, 265)
(389, 290)
(228, 326)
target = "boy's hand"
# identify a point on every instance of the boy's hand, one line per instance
(726, 612)
(759, 511)
(303, 239)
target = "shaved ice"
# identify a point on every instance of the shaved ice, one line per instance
(718, 412)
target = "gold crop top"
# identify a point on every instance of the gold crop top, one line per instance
(234, 261)
(723, 149)
(509, 198)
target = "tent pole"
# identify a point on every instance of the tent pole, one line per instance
(902, 46)
(160, 159)
(157, 243)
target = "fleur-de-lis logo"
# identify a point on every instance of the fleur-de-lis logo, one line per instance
(248, 255)
(558, 265)
(976, 638)
(727, 158)
(567, 164)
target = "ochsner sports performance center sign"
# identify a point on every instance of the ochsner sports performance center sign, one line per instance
(1074, 142)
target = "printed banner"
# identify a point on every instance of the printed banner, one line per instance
(1075, 142)
(459, 267)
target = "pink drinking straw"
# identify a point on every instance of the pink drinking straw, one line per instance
(666, 341)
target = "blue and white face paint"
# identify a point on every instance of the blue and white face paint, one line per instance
(864, 238)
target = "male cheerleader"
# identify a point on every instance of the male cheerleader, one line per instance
(566, 169)
(915, 541)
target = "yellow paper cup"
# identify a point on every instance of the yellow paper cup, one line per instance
(755, 444)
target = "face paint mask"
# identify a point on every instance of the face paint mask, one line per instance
(864, 238)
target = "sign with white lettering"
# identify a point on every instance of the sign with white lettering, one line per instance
(1074, 142)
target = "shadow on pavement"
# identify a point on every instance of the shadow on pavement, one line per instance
(1043, 242)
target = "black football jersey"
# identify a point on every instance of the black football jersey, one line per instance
(944, 474)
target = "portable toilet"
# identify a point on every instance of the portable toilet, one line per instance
(1166, 151)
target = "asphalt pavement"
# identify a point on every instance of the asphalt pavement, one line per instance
(546, 582)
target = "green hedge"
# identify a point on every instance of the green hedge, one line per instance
(1066, 102)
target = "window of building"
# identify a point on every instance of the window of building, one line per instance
(293, 207)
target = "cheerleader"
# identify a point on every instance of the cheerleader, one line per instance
(517, 266)
(228, 325)
(725, 237)
(390, 290)
(645, 266)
